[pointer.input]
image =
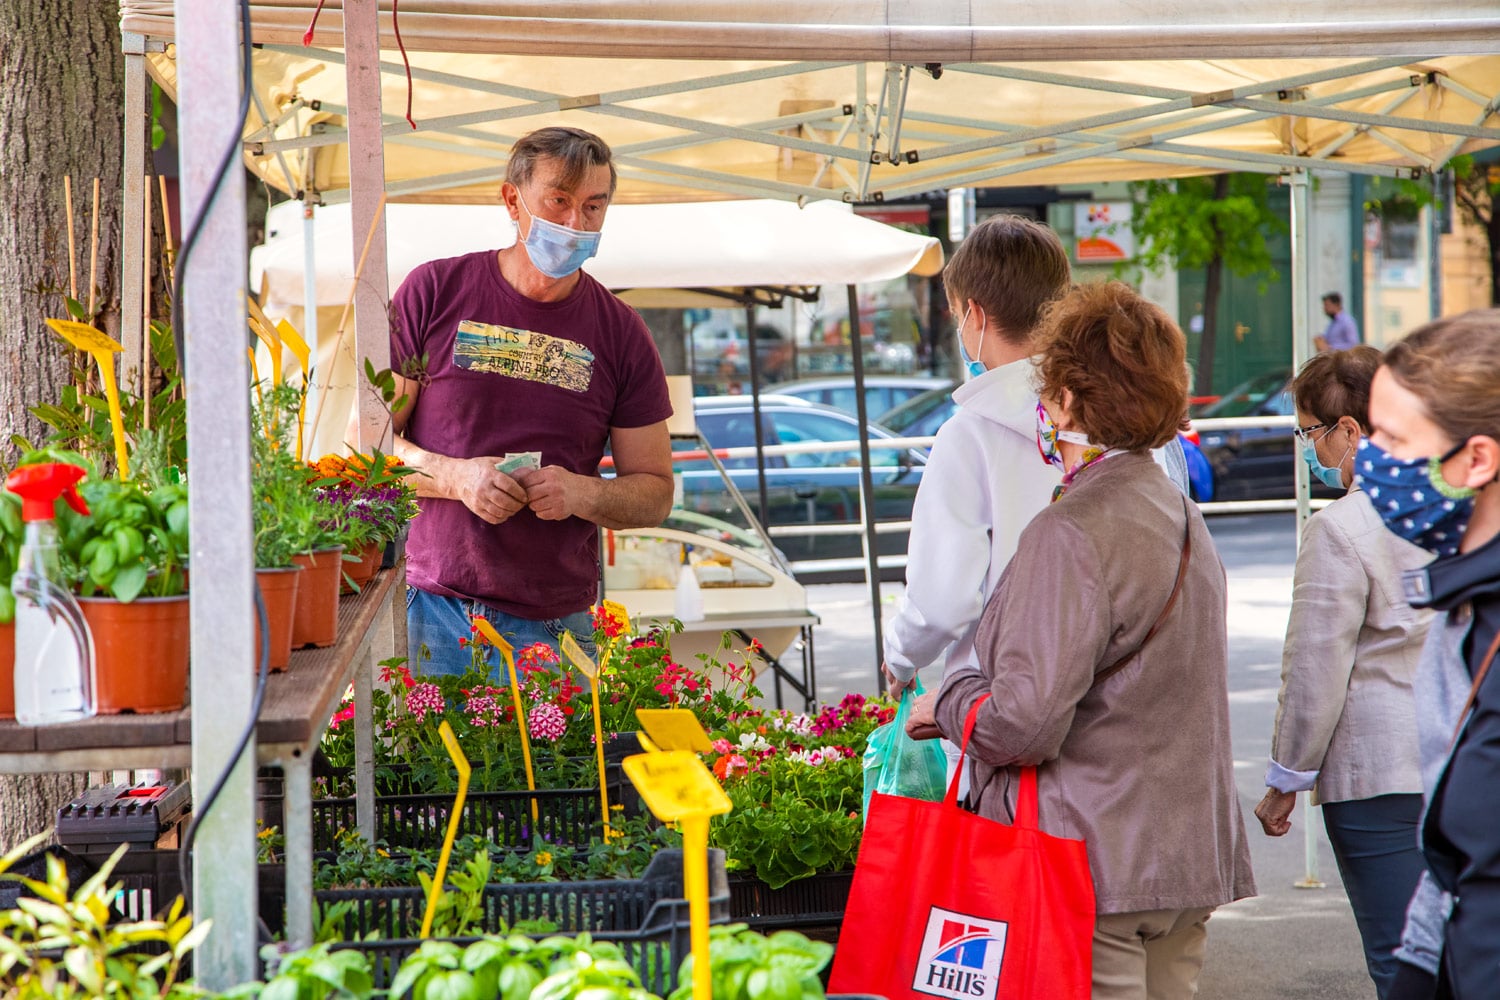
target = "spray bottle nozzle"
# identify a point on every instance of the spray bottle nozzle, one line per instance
(40, 485)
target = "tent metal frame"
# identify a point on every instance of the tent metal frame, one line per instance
(208, 43)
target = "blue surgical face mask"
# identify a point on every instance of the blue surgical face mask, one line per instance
(1332, 478)
(971, 366)
(1413, 499)
(554, 249)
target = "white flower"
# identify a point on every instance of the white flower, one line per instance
(800, 725)
(1418, 496)
(752, 743)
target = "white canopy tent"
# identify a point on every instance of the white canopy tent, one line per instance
(714, 99)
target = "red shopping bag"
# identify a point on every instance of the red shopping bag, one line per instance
(949, 904)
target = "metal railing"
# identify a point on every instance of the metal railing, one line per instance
(907, 443)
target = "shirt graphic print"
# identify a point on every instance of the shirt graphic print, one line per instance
(523, 354)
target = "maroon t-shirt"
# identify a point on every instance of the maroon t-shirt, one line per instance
(504, 373)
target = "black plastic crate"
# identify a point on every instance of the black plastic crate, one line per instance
(647, 916)
(106, 816)
(565, 817)
(816, 901)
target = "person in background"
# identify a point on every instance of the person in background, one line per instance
(1105, 648)
(505, 353)
(983, 483)
(1341, 334)
(1346, 725)
(1430, 467)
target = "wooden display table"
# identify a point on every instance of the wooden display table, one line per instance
(298, 706)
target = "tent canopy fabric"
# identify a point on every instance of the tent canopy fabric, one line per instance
(728, 245)
(709, 100)
(891, 30)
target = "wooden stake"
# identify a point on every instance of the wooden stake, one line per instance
(146, 312)
(94, 250)
(338, 341)
(166, 222)
(72, 250)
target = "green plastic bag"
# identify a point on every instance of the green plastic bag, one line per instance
(896, 764)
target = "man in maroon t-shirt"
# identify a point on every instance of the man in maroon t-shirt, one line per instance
(515, 351)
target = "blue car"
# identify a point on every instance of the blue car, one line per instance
(922, 415)
(803, 489)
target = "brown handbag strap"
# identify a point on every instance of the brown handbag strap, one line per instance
(1182, 565)
(1484, 668)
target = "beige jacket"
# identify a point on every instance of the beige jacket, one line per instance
(1139, 767)
(1346, 725)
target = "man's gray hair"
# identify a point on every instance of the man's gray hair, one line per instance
(574, 148)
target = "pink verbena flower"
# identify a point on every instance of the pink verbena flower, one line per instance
(546, 722)
(342, 715)
(484, 710)
(425, 698)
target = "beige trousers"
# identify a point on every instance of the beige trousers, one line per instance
(1149, 954)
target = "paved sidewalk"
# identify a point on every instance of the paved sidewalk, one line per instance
(1286, 943)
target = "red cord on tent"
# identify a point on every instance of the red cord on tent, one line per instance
(396, 26)
(307, 37)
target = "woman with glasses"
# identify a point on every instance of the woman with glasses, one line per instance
(1345, 721)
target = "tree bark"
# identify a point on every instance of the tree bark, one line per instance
(61, 113)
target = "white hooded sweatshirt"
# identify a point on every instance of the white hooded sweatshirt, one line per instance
(983, 484)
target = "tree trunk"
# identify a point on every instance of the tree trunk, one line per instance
(1212, 284)
(61, 113)
(1492, 230)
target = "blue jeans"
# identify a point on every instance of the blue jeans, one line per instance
(1375, 844)
(435, 624)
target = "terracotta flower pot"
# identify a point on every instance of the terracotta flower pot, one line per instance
(363, 571)
(278, 588)
(8, 670)
(140, 652)
(316, 622)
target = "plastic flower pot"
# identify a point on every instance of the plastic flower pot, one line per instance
(140, 652)
(316, 622)
(278, 590)
(363, 571)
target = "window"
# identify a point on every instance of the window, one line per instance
(794, 427)
(735, 430)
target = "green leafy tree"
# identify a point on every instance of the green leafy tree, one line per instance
(1476, 190)
(1207, 223)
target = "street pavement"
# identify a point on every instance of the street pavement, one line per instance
(1286, 943)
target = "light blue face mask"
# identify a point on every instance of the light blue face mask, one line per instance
(971, 366)
(1332, 478)
(554, 249)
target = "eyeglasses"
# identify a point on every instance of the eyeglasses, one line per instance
(1303, 432)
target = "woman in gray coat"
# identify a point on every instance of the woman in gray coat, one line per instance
(1105, 650)
(1346, 724)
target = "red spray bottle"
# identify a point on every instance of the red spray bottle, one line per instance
(54, 675)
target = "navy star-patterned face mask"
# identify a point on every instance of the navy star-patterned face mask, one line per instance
(1413, 499)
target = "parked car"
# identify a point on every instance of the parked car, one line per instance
(882, 392)
(1255, 463)
(818, 488)
(923, 414)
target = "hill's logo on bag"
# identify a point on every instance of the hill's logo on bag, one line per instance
(960, 956)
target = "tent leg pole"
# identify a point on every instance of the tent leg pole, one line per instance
(866, 482)
(133, 221)
(1301, 351)
(760, 437)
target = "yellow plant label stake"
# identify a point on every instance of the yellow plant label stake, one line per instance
(590, 669)
(293, 341)
(674, 729)
(678, 787)
(508, 651)
(438, 877)
(100, 347)
(267, 335)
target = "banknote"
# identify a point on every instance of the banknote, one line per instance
(515, 461)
